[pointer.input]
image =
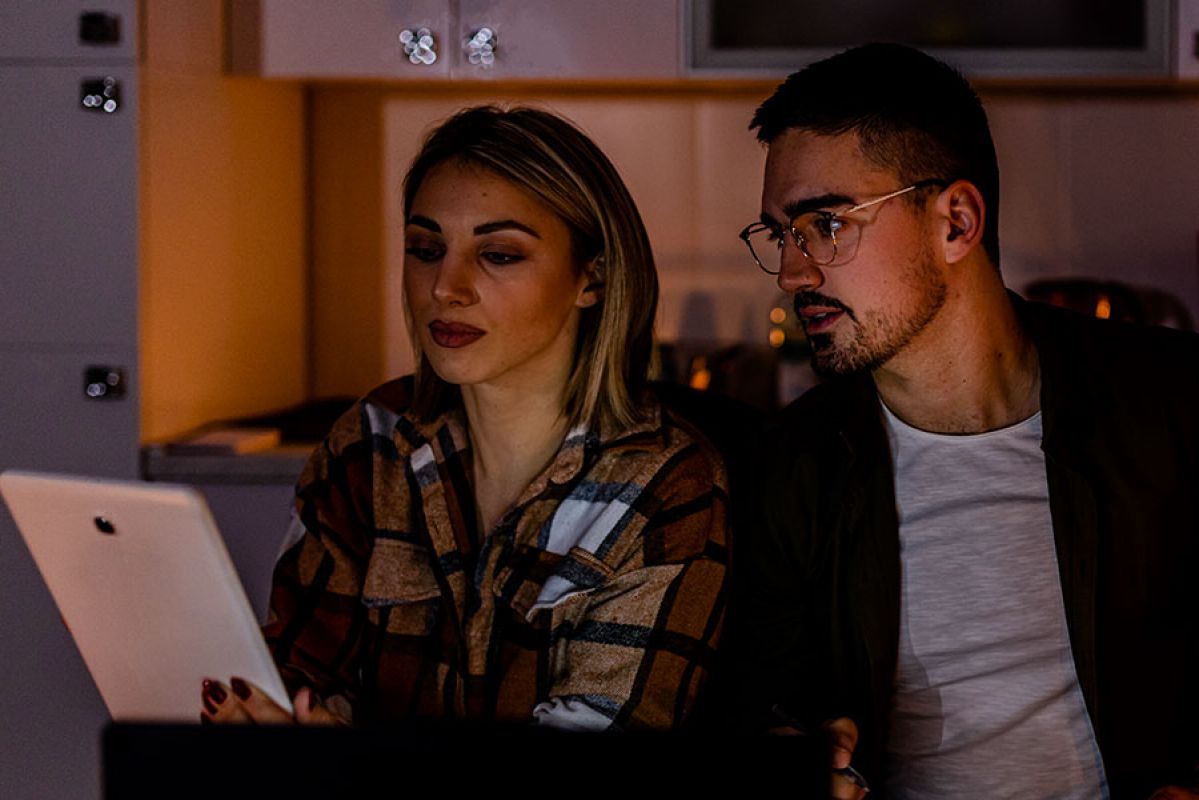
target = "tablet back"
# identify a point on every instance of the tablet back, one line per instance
(144, 583)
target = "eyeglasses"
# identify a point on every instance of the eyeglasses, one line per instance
(822, 236)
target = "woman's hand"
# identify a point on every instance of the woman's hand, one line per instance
(241, 702)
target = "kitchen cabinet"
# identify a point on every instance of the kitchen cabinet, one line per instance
(153, 211)
(83, 31)
(1149, 40)
(474, 40)
(69, 186)
(68, 197)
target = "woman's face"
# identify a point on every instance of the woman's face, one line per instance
(490, 282)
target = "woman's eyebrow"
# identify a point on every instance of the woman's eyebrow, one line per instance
(505, 224)
(424, 222)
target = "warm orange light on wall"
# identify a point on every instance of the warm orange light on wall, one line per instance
(701, 376)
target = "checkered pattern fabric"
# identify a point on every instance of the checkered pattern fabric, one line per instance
(596, 601)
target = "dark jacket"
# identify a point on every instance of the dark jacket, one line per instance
(819, 573)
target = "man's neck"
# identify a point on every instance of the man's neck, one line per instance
(973, 369)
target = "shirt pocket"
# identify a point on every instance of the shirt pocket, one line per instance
(400, 588)
(562, 594)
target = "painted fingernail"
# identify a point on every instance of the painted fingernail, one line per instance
(215, 692)
(240, 688)
(209, 706)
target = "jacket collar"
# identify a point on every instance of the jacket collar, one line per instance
(1068, 385)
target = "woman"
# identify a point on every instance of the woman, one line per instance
(519, 532)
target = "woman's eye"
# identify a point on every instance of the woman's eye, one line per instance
(501, 259)
(424, 252)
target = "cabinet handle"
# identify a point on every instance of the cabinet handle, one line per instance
(99, 28)
(420, 46)
(104, 382)
(100, 94)
(480, 47)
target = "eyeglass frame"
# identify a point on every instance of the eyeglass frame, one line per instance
(829, 216)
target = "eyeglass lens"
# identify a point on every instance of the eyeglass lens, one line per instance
(823, 238)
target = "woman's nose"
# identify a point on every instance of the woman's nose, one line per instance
(455, 282)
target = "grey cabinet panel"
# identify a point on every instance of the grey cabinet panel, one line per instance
(574, 38)
(46, 422)
(51, 709)
(68, 299)
(355, 38)
(39, 30)
(68, 198)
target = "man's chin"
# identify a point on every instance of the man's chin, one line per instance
(828, 362)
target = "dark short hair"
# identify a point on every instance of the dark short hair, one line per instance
(913, 115)
(557, 163)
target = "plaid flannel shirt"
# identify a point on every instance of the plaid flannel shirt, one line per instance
(595, 602)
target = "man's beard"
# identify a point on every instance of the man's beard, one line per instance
(877, 336)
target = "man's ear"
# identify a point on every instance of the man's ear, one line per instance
(962, 215)
(592, 291)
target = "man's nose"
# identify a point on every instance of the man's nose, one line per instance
(455, 283)
(797, 273)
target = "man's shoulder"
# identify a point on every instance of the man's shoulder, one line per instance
(1098, 352)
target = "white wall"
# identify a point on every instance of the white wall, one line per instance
(1101, 187)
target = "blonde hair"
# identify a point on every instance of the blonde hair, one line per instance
(553, 160)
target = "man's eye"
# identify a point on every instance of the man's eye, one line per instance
(424, 252)
(827, 226)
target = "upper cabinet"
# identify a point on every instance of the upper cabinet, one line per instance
(1030, 40)
(460, 39)
(90, 31)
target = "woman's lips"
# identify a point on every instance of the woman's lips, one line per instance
(454, 334)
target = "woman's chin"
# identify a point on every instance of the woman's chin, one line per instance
(457, 374)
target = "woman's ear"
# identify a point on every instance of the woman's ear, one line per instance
(963, 213)
(592, 290)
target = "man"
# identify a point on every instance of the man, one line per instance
(976, 541)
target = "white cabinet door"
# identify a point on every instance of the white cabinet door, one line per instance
(573, 38)
(68, 198)
(344, 39)
(606, 39)
(60, 29)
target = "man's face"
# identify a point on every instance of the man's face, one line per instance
(861, 313)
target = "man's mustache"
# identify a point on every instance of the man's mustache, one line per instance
(803, 299)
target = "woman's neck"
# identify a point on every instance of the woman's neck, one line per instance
(514, 434)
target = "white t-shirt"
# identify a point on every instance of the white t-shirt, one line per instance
(987, 700)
